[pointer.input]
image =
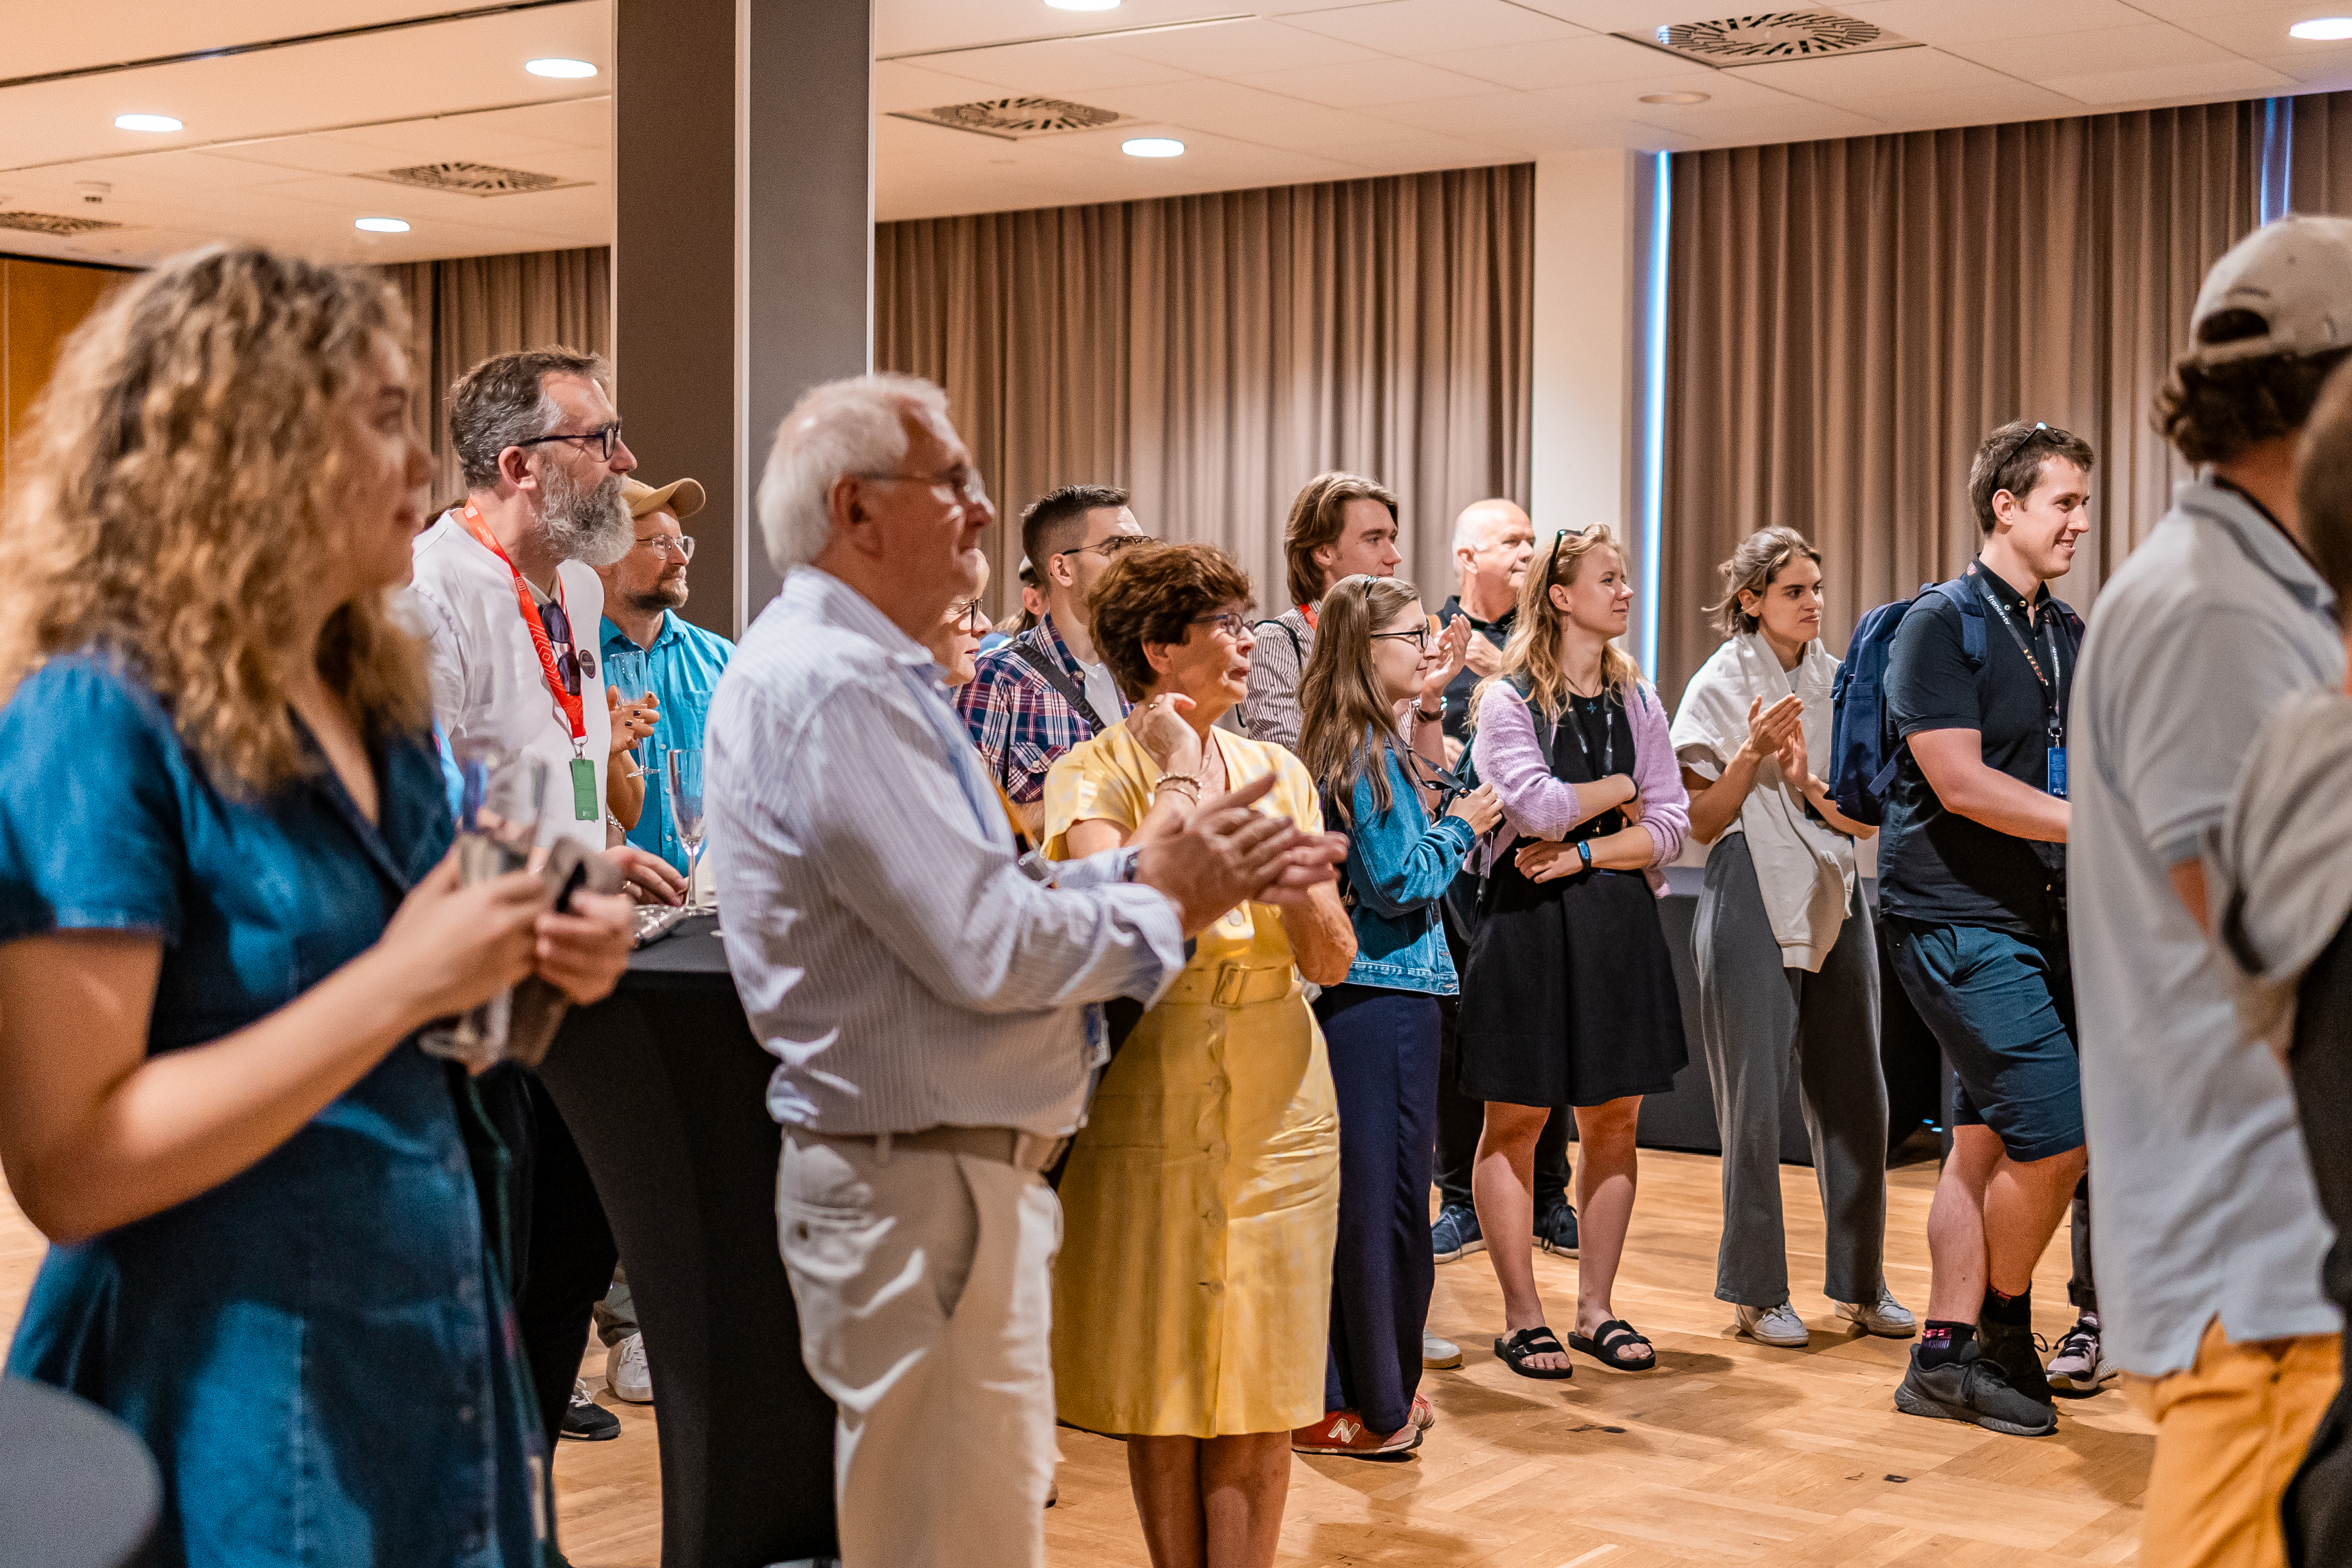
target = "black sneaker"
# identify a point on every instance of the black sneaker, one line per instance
(1971, 1388)
(586, 1419)
(1555, 1229)
(2011, 1347)
(1455, 1233)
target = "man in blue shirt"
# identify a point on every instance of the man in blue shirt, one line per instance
(651, 655)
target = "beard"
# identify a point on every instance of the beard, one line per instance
(667, 594)
(587, 526)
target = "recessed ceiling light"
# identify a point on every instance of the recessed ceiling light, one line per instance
(2325, 29)
(1673, 98)
(568, 69)
(382, 225)
(155, 123)
(1084, 5)
(1152, 147)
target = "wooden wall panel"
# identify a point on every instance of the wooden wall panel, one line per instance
(41, 302)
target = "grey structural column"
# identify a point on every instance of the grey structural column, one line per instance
(743, 247)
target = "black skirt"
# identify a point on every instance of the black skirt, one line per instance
(1568, 997)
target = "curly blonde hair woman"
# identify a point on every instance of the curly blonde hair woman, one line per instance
(226, 905)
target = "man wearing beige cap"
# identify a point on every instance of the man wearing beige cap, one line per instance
(2211, 1236)
(661, 669)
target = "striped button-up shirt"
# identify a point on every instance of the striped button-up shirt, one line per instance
(1021, 724)
(888, 949)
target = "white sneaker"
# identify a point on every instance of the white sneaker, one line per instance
(2081, 1365)
(625, 1371)
(1439, 1354)
(1778, 1325)
(1886, 1316)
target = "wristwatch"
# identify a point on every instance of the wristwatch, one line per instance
(1425, 715)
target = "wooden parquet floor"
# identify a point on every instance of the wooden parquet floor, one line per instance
(1730, 1453)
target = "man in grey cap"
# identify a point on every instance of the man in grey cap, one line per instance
(2210, 1236)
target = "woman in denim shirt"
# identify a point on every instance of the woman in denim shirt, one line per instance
(226, 907)
(1374, 653)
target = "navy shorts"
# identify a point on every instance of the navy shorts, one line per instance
(2002, 1008)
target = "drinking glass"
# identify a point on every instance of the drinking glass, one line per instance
(500, 797)
(682, 777)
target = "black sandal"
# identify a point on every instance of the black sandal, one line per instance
(1608, 1347)
(1514, 1352)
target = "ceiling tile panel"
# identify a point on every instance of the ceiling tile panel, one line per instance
(1415, 28)
(2171, 84)
(1941, 21)
(1878, 75)
(1379, 80)
(1560, 62)
(1059, 69)
(2137, 47)
(1238, 46)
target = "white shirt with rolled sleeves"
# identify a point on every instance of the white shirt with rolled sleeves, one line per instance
(890, 952)
(488, 682)
(2201, 1196)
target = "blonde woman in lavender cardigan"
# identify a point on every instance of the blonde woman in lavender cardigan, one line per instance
(1569, 997)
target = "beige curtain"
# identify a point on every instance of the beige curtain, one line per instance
(2319, 151)
(468, 309)
(1847, 319)
(1213, 352)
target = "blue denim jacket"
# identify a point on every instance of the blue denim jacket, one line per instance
(1399, 865)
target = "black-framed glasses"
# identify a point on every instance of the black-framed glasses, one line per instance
(1230, 622)
(608, 438)
(1112, 547)
(965, 613)
(681, 547)
(1418, 637)
(963, 481)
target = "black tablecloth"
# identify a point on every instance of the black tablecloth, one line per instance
(78, 1488)
(666, 1092)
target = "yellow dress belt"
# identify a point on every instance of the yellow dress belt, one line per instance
(1233, 985)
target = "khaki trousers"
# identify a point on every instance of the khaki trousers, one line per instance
(924, 1282)
(2230, 1432)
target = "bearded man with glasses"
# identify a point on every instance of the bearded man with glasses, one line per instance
(507, 591)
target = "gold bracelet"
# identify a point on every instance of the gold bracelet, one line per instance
(1182, 781)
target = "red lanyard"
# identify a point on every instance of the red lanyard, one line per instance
(1307, 613)
(575, 712)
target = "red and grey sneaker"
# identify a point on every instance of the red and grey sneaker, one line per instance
(1423, 1416)
(1344, 1432)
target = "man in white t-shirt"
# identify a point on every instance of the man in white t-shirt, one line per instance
(507, 593)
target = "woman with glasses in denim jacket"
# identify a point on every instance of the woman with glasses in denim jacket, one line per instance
(1375, 658)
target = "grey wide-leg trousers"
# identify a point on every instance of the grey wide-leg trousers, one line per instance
(1759, 1022)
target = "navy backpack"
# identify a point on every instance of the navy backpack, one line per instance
(1863, 748)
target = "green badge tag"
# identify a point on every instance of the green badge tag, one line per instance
(584, 790)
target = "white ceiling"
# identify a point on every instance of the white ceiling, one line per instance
(277, 142)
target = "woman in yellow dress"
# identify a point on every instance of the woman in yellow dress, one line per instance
(1193, 1299)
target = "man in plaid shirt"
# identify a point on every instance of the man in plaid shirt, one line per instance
(1038, 696)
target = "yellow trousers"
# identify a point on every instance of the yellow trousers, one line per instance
(2230, 1432)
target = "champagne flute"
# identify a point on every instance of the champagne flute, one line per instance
(682, 779)
(500, 800)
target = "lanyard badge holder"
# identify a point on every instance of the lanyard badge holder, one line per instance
(2054, 753)
(585, 807)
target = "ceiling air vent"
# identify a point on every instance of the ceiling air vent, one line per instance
(1768, 38)
(1016, 118)
(50, 224)
(475, 179)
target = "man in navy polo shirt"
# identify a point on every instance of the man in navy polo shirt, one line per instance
(1971, 867)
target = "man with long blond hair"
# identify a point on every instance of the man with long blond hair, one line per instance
(227, 907)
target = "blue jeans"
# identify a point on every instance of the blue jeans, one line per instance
(2002, 1009)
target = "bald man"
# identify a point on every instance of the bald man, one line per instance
(1492, 543)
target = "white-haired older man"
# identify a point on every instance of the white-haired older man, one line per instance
(927, 998)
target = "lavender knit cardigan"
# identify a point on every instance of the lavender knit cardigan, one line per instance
(1539, 805)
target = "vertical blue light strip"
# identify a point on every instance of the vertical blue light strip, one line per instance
(2274, 178)
(1653, 410)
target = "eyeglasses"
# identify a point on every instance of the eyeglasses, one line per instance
(967, 614)
(1232, 624)
(1418, 637)
(681, 547)
(608, 438)
(1112, 547)
(964, 482)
